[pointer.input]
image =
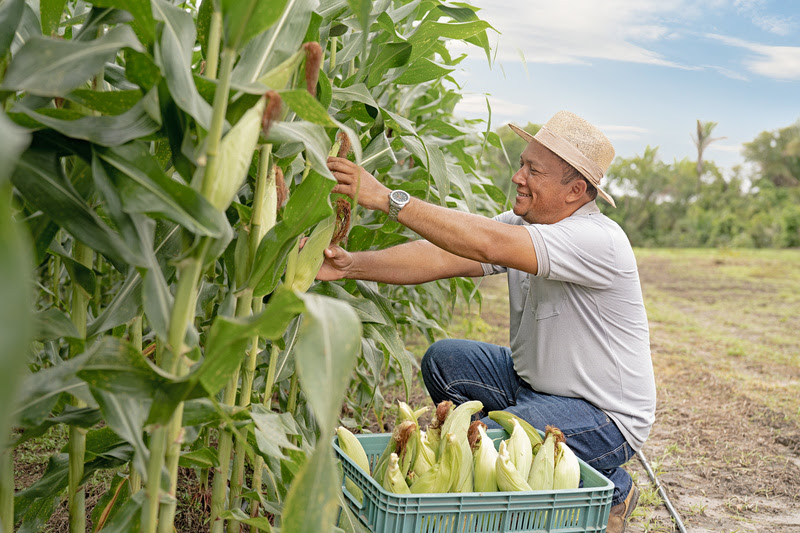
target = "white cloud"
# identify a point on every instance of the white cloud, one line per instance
(778, 62)
(475, 104)
(577, 31)
(730, 148)
(622, 133)
(753, 9)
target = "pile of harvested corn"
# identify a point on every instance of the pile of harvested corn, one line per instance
(453, 455)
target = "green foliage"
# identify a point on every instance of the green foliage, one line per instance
(125, 132)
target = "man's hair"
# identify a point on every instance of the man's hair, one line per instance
(571, 174)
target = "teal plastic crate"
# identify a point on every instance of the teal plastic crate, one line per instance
(575, 511)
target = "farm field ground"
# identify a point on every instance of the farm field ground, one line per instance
(725, 337)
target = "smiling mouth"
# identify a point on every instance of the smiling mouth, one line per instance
(523, 195)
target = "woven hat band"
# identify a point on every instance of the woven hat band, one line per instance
(570, 153)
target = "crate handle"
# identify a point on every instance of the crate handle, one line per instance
(352, 498)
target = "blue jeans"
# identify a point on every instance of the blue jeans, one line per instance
(463, 370)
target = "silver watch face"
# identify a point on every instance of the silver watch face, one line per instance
(399, 197)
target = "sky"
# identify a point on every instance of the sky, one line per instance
(643, 71)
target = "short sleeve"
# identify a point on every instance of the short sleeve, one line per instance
(578, 250)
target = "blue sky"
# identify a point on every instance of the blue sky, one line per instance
(643, 71)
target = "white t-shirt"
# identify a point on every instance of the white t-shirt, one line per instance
(579, 328)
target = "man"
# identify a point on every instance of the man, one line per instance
(579, 356)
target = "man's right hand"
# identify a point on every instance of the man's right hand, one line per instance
(336, 265)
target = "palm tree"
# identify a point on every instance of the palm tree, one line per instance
(701, 141)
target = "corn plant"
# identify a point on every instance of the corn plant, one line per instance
(148, 145)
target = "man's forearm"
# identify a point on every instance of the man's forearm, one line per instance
(410, 264)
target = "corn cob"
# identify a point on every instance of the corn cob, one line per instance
(508, 478)
(567, 472)
(393, 479)
(235, 153)
(484, 462)
(457, 423)
(519, 449)
(351, 446)
(504, 418)
(398, 441)
(541, 476)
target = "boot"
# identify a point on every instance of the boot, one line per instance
(618, 516)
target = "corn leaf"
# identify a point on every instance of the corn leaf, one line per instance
(143, 22)
(228, 338)
(70, 63)
(40, 179)
(326, 351)
(50, 14)
(244, 19)
(141, 120)
(393, 55)
(144, 188)
(429, 32)
(311, 504)
(174, 57)
(10, 15)
(126, 415)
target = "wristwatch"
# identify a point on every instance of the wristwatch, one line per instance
(397, 201)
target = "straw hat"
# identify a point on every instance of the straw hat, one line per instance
(578, 143)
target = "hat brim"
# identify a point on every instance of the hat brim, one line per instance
(528, 138)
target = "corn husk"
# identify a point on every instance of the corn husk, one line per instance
(541, 476)
(426, 457)
(351, 446)
(399, 438)
(519, 449)
(484, 463)
(393, 479)
(567, 472)
(451, 465)
(458, 423)
(427, 481)
(508, 477)
(504, 418)
(235, 154)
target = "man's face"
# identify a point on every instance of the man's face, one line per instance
(540, 194)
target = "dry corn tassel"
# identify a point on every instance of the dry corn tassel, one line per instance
(434, 432)
(393, 479)
(398, 441)
(508, 478)
(484, 462)
(541, 476)
(567, 472)
(519, 449)
(504, 418)
(351, 446)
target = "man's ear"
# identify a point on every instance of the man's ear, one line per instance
(576, 190)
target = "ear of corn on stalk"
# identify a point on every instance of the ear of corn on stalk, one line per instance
(280, 76)
(235, 153)
(484, 463)
(508, 477)
(567, 472)
(541, 476)
(504, 418)
(351, 446)
(394, 480)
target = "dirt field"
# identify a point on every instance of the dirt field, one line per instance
(725, 336)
